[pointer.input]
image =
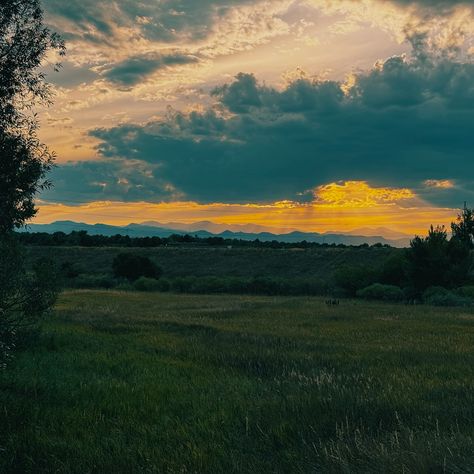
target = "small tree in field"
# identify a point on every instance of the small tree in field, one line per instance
(132, 267)
(24, 162)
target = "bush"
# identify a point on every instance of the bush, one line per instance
(439, 296)
(183, 284)
(70, 270)
(87, 281)
(147, 284)
(466, 292)
(351, 279)
(377, 291)
(132, 267)
(209, 284)
(25, 296)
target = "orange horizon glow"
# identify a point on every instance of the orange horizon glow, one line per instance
(337, 207)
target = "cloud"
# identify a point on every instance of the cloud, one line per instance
(400, 124)
(335, 209)
(166, 22)
(123, 180)
(136, 69)
(359, 194)
(439, 183)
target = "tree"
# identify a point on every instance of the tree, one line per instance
(463, 228)
(437, 261)
(24, 160)
(428, 259)
(132, 267)
(26, 291)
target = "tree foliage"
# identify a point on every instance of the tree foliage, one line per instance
(24, 161)
(132, 267)
(26, 294)
(463, 228)
(26, 291)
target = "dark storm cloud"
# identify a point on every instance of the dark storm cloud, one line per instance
(400, 124)
(135, 69)
(106, 180)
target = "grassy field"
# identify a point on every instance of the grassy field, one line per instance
(160, 383)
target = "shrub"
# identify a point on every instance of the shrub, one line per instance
(183, 284)
(439, 296)
(124, 285)
(163, 285)
(132, 267)
(147, 284)
(354, 278)
(25, 296)
(377, 291)
(466, 292)
(94, 281)
(70, 270)
(209, 284)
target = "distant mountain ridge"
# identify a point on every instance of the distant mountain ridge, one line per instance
(153, 229)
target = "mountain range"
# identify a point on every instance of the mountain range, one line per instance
(205, 229)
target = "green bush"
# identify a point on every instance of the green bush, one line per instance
(124, 285)
(26, 295)
(88, 281)
(163, 285)
(466, 292)
(132, 267)
(377, 291)
(183, 284)
(209, 285)
(439, 296)
(352, 278)
(146, 284)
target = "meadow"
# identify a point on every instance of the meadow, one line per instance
(160, 383)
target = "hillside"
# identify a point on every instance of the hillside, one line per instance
(218, 261)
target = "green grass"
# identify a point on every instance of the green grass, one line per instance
(152, 383)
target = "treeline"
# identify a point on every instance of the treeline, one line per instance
(436, 269)
(83, 239)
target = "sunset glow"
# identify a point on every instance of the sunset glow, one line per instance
(321, 115)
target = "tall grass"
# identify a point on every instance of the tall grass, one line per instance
(133, 382)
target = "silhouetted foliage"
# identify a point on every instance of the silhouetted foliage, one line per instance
(83, 239)
(381, 292)
(351, 279)
(25, 295)
(463, 228)
(24, 160)
(436, 261)
(132, 267)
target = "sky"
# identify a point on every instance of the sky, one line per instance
(317, 115)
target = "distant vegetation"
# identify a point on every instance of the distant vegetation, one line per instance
(435, 269)
(83, 239)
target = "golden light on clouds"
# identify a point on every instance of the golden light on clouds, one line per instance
(337, 207)
(439, 183)
(357, 194)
